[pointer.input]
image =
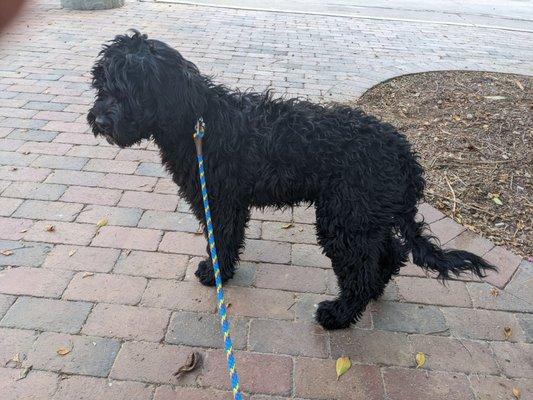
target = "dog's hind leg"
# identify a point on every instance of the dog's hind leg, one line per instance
(392, 258)
(355, 251)
(229, 225)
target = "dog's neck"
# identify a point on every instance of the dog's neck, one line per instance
(174, 135)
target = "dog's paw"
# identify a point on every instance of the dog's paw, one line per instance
(329, 315)
(206, 275)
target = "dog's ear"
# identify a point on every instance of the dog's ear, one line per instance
(176, 85)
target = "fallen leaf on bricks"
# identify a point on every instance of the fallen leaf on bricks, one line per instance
(63, 351)
(6, 252)
(50, 228)
(87, 274)
(494, 292)
(24, 372)
(516, 393)
(101, 222)
(71, 253)
(190, 364)
(342, 366)
(420, 359)
(287, 226)
(508, 332)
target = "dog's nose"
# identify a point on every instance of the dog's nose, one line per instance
(102, 122)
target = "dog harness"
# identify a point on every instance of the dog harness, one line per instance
(224, 323)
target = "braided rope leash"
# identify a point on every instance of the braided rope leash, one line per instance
(224, 323)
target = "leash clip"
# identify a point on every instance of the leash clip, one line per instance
(199, 135)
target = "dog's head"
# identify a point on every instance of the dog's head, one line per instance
(137, 80)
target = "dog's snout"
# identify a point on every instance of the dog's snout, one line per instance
(102, 122)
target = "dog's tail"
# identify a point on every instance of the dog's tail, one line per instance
(429, 255)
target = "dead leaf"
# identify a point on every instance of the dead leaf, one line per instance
(507, 332)
(287, 226)
(456, 118)
(516, 393)
(497, 200)
(87, 274)
(101, 222)
(63, 351)
(190, 364)
(342, 366)
(519, 84)
(6, 252)
(72, 252)
(24, 372)
(494, 292)
(50, 228)
(420, 359)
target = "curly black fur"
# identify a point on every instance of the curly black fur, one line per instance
(360, 173)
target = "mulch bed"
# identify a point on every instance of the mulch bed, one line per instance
(474, 134)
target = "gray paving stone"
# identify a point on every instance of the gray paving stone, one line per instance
(33, 135)
(526, 322)
(517, 296)
(172, 221)
(5, 302)
(89, 355)
(27, 254)
(114, 215)
(151, 169)
(46, 210)
(196, 329)
(288, 337)
(46, 315)
(410, 318)
(372, 347)
(63, 162)
(34, 190)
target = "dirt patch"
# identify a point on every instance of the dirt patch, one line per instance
(474, 134)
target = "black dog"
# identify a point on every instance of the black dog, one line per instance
(360, 173)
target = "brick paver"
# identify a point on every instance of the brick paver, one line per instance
(123, 297)
(47, 315)
(89, 355)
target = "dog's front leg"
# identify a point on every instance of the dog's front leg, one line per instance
(229, 225)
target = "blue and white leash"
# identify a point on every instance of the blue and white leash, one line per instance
(224, 323)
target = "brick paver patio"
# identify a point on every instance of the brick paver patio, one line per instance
(123, 298)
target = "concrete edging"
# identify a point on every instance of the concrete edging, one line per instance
(91, 4)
